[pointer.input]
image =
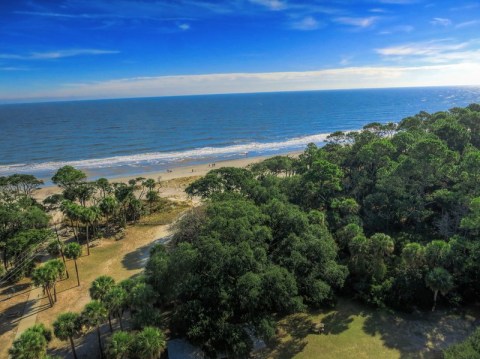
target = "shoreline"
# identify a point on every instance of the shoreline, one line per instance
(173, 173)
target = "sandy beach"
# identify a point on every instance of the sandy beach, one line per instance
(170, 187)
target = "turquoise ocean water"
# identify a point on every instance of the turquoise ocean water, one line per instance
(130, 136)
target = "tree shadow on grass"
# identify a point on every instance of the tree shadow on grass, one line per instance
(419, 335)
(291, 336)
(138, 258)
(86, 346)
(9, 317)
(293, 330)
(337, 322)
(14, 290)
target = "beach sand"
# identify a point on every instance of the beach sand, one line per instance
(174, 181)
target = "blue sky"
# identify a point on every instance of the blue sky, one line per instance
(72, 49)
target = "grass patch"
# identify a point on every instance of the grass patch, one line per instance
(120, 259)
(356, 331)
(180, 182)
(168, 213)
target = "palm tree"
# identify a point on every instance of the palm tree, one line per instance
(152, 197)
(119, 345)
(58, 270)
(66, 327)
(439, 280)
(149, 343)
(108, 206)
(32, 344)
(74, 251)
(99, 289)
(101, 286)
(47, 276)
(115, 301)
(87, 216)
(55, 248)
(69, 210)
(104, 186)
(41, 276)
(94, 315)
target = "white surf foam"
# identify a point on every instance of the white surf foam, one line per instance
(158, 157)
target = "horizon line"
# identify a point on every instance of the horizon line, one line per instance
(27, 101)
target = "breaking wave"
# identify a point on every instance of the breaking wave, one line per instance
(153, 158)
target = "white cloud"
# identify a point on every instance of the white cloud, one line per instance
(467, 73)
(184, 27)
(271, 4)
(307, 23)
(434, 52)
(421, 48)
(467, 24)
(441, 21)
(378, 10)
(361, 22)
(466, 7)
(57, 54)
(396, 29)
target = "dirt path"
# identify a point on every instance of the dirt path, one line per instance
(32, 307)
(21, 305)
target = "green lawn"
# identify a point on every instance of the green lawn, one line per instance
(356, 331)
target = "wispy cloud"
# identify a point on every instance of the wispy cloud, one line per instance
(13, 68)
(55, 14)
(399, 2)
(440, 21)
(433, 52)
(57, 54)
(345, 60)
(378, 10)
(421, 48)
(467, 73)
(270, 4)
(467, 24)
(306, 24)
(360, 22)
(464, 7)
(184, 27)
(100, 16)
(397, 29)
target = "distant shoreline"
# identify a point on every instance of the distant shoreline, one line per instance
(175, 172)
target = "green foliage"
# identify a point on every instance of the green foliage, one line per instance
(188, 227)
(101, 286)
(218, 181)
(276, 165)
(67, 325)
(388, 214)
(73, 251)
(94, 314)
(243, 264)
(32, 344)
(471, 222)
(119, 345)
(468, 349)
(68, 176)
(438, 279)
(55, 247)
(147, 344)
(115, 300)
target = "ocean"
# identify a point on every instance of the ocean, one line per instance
(114, 138)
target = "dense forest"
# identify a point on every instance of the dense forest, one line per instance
(389, 215)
